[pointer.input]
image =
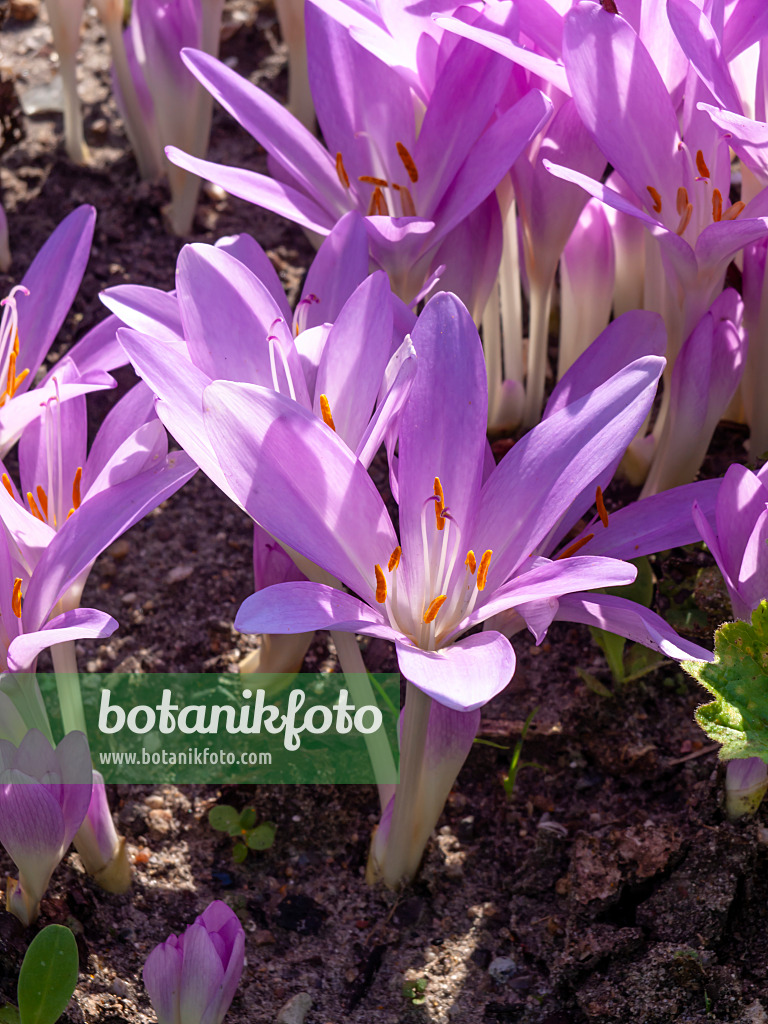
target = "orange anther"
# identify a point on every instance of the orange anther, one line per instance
(33, 507)
(682, 199)
(42, 499)
(701, 165)
(325, 409)
(7, 485)
(341, 171)
(434, 608)
(685, 219)
(733, 211)
(378, 205)
(717, 205)
(394, 559)
(370, 180)
(482, 569)
(16, 597)
(439, 504)
(470, 561)
(76, 487)
(408, 163)
(601, 509)
(655, 197)
(576, 546)
(381, 584)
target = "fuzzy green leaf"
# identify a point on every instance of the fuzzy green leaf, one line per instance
(738, 678)
(239, 853)
(262, 837)
(48, 975)
(224, 818)
(248, 817)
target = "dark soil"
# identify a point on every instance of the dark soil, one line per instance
(608, 888)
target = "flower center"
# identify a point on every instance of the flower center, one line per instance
(431, 618)
(9, 345)
(381, 202)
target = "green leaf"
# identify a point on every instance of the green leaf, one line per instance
(239, 853)
(262, 837)
(48, 976)
(593, 683)
(738, 678)
(9, 1014)
(224, 818)
(612, 647)
(247, 817)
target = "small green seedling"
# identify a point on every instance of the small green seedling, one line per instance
(243, 829)
(47, 978)
(515, 766)
(414, 991)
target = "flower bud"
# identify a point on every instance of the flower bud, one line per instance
(101, 849)
(191, 978)
(44, 796)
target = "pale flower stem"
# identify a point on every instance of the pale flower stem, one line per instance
(510, 296)
(68, 686)
(492, 341)
(359, 686)
(538, 339)
(403, 850)
(148, 159)
(73, 117)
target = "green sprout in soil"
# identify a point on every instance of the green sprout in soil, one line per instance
(242, 827)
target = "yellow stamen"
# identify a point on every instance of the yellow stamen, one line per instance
(482, 569)
(655, 197)
(42, 498)
(341, 171)
(434, 608)
(33, 507)
(7, 485)
(470, 561)
(717, 205)
(381, 584)
(733, 211)
(394, 559)
(701, 165)
(439, 504)
(408, 163)
(70, 513)
(16, 597)
(406, 200)
(685, 219)
(378, 205)
(576, 546)
(370, 180)
(601, 509)
(682, 199)
(325, 409)
(76, 487)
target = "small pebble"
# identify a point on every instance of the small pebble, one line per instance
(179, 573)
(502, 968)
(295, 1010)
(120, 988)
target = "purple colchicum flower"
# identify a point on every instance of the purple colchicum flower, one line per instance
(414, 186)
(73, 505)
(101, 849)
(192, 978)
(31, 318)
(468, 547)
(44, 796)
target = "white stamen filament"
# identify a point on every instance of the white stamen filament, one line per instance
(276, 348)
